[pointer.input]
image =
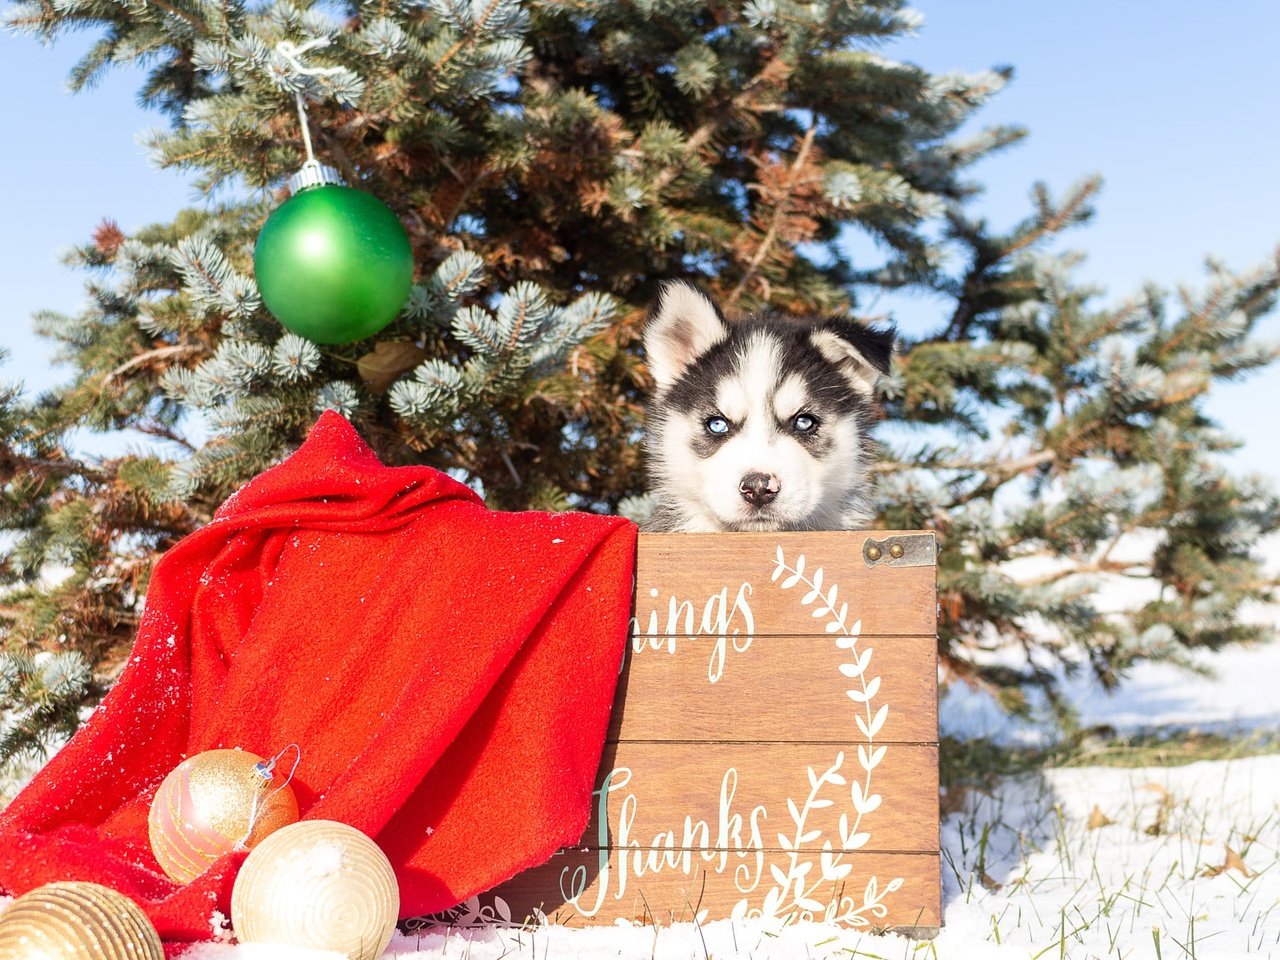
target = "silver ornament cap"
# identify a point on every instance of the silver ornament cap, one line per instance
(313, 174)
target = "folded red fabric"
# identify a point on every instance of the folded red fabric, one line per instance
(446, 670)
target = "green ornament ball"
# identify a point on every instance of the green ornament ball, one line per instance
(333, 264)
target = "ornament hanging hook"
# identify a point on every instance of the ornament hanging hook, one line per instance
(265, 770)
(306, 129)
(313, 173)
(292, 51)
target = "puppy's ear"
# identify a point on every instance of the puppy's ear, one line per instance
(859, 352)
(683, 325)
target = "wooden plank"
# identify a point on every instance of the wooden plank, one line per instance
(724, 585)
(879, 890)
(781, 688)
(753, 796)
(761, 760)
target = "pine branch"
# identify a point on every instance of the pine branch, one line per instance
(1134, 571)
(772, 71)
(199, 26)
(1002, 467)
(780, 210)
(1058, 219)
(154, 428)
(179, 352)
(12, 463)
(466, 39)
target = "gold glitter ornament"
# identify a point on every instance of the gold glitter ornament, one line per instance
(213, 803)
(319, 884)
(77, 921)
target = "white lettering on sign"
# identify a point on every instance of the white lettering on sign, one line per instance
(728, 622)
(683, 851)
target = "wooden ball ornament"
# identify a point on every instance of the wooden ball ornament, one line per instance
(319, 884)
(77, 921)
(213, 803)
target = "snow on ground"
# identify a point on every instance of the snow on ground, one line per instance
(1079, 863)
(1240, 694)
(1104, 862)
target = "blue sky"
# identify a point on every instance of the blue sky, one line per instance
(1174, 103)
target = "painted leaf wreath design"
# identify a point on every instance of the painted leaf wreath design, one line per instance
(471, 913)
(794, 896)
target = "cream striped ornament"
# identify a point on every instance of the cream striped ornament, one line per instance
(211, 804)
(77, 921)
(319, 884)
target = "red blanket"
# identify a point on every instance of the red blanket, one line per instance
(447, 671)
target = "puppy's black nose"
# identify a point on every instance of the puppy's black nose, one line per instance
(759, 488)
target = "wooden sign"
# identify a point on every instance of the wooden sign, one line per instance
(774, 744)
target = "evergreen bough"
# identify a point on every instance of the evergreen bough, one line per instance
(553, 163)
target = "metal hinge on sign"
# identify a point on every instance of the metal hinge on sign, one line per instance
(913, 550)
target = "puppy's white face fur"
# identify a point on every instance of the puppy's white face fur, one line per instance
(756, 425)
(759, 409)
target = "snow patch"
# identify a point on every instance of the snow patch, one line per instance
(316, 862)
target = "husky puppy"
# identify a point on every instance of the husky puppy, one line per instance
(758, 423)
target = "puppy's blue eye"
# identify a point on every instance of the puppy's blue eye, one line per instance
(804, 423)
(717, 425)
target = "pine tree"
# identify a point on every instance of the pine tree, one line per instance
(1079, 437)
(553, 163)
